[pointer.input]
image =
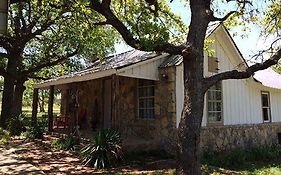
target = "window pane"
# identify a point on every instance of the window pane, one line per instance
(218, 116)
(211, 116)
(218, 95)
(218, 106)
(150, 103)
(265, 112)
(264, 98)
(150, 91)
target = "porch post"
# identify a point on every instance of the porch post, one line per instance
(34, 107)
(50, 108)
(115, 101)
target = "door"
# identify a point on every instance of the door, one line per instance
(107, 104)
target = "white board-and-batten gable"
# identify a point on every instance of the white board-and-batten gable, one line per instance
(135, 67)
(241, 99)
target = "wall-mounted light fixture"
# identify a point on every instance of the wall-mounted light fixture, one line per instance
(4, 5)
(164, 77)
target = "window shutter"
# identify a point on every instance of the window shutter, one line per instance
(213, 64)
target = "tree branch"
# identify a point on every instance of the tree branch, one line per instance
(213, 18)
(59, 59)
(102, 23)
(235, 74)
(112, 19)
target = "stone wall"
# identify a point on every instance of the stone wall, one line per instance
(225, 138)
(145, 134)
(90, 102)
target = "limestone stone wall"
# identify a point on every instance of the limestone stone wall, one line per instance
(90, 101)
(225, 138)
(145, 134)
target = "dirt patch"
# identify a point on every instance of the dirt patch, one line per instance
(53, 161)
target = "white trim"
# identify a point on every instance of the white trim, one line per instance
(179, 93)
(100, 74)
(86, 77)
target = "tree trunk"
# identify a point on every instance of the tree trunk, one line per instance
(18, 96)
(8, 93)
(188, 162)
(50, 109)
(34, 107)
(42, 102)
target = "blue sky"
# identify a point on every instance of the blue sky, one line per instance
(247, 45)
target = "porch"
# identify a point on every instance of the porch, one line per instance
(85, 107)
(138, 100)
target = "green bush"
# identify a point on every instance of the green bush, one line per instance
(35, 132)
(65, 143)
(4, 136)
(16, 125)
(239, 157)
(104, 149)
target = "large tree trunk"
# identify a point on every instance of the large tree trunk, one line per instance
(42, 102)
(18, 96)
(8, 93)
(191, 120)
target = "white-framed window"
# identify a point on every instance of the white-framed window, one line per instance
(265, 101)
(214, 103)
(146, 99)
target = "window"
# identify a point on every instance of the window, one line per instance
(214, 96)
(146, 99)
(213, 65)
(265, 106)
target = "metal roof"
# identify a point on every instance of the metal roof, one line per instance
(113, 62)
(269, 78)
(125, 59)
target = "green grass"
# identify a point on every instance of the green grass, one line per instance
(28, 111)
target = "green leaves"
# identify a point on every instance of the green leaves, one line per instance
(146, 26)
(104, 149)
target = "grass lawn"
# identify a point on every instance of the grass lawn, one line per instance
(28, 111)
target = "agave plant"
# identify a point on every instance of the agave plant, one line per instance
(103, 150)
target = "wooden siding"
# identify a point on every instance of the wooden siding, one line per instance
(144, 70)
(241, 98)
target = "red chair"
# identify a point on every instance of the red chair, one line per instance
(62, 121)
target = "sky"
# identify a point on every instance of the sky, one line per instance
(247, 45)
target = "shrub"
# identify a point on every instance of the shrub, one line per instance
(35, 132)
(4, 136)
(240, 157)
(65, 143)
(104, 149)
(16, 125)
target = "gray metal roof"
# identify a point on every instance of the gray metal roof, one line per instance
(269, 78)
(122, 60)
(128, 58)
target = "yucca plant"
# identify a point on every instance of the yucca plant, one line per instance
(103, 150)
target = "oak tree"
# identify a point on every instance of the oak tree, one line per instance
(150, 35)
(42, 34)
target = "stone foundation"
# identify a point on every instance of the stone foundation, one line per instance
(225, 138)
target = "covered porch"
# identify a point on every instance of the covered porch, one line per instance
(85, 106)
(137, 99)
